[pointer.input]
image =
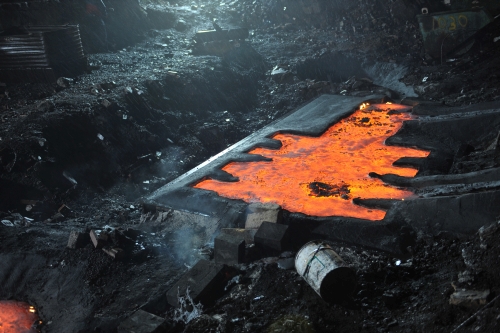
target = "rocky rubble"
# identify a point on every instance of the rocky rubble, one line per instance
(390, 293)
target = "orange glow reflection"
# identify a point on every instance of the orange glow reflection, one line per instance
(320, 176)
(16, 317)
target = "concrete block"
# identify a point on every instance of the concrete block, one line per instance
(246, 234)
(229, 250)
(272, 237)
(206, 280)
(99, 238)
(114, 252)
(77, 240)
(65, 211)
(262, 212)
(142, 322)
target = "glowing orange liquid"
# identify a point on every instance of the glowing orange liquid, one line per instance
(340, 158)
(15, 317)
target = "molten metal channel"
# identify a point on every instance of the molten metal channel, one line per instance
(319, 176)
(17, 317)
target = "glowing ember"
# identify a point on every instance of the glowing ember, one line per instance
(319, 176)
(17, 317)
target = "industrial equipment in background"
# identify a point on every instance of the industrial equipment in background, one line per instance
(452, 32)
(41, 54)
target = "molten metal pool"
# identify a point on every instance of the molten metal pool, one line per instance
(319, 176)
(17, 317)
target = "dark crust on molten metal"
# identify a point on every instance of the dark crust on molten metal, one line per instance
(312, 120)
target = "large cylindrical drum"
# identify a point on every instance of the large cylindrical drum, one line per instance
(325, 271)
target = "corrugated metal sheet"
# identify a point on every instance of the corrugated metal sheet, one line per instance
(23, 51)
(64, 48)
(43, 49)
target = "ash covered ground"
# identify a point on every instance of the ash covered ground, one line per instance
(80, 154)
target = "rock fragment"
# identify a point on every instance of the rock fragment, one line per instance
(281, 75)
(64, 82)
(106, 103)
(469, 298)
(46, 106)
(181, 25)
(7, 223)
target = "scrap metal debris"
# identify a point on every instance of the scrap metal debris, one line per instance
(41, 54)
